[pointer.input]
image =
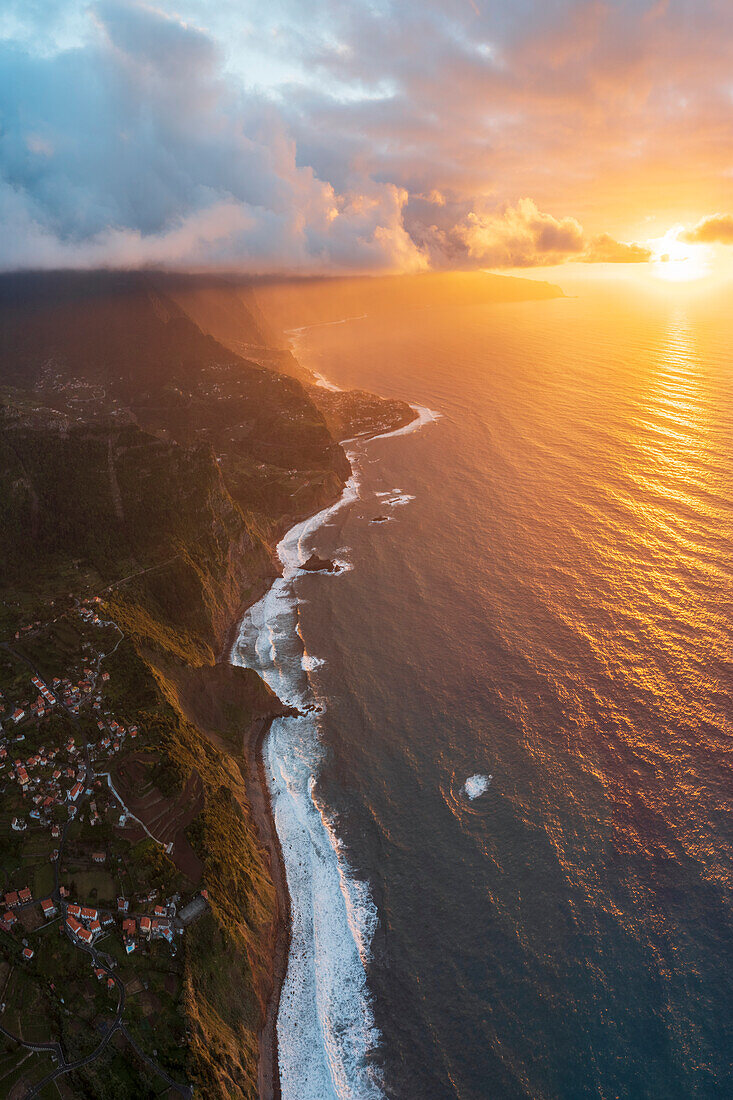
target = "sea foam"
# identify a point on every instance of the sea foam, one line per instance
(326, 1031)
(309, 662)
(476, 785)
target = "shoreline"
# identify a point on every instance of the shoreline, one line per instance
(260, 799)
(258, 794)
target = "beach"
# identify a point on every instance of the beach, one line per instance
(269, 641)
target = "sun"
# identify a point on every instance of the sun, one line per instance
(677, 262)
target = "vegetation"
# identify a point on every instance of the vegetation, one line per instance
(143, 463)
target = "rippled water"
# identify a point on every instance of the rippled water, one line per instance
(550, 606)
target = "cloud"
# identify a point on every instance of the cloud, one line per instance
(362, 136)
(714, 229)
(136, 148)
(520, 236)
(603, 249)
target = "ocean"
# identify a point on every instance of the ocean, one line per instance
(506, 813)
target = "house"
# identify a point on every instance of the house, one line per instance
(98, 857)
(160, 911)
(55, 831)
(94, 927)
(12, 900)
(122, 905)
(162, 928)
(145, 926)
(8, 920)
(48, 907)
(105, 676)
(75, 792)
(78, 930)
(99, 973)
(27, 953)
(25, 895)
(107, 919)
(74, 911)
(89, 914)
(18, 826)
(23, 777)
(110, 983)
(18, 715)
(129, 927)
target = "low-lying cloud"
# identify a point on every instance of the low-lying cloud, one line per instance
(714, 229)
(521, 236)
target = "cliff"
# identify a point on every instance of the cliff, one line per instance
(144, 463)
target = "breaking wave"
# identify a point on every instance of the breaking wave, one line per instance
(326, 1031)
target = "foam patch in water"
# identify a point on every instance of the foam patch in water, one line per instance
(308, 663)
(476, 785)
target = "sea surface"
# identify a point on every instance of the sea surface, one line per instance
(507, 813)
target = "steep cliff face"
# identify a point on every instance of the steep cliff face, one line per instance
(139, 446)
(143, 462)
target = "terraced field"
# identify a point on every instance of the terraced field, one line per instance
(166, 818)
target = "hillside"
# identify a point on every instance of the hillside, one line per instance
(146, 472)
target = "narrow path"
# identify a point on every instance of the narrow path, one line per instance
(108, 776)
(39, 1048)
(141, 572)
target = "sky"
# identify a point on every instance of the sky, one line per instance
(367, 135)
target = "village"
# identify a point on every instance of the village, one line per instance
(81, 867)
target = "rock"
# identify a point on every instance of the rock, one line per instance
(380, 519)
(319, 565)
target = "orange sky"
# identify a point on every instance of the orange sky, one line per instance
(367, 136)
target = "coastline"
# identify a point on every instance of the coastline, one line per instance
(258, 793)
(260, 796)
